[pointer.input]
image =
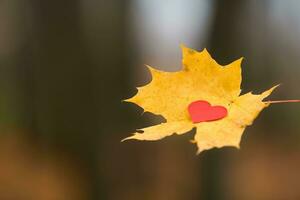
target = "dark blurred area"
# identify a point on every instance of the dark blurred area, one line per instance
(65, 67)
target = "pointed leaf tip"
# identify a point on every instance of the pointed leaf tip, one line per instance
(269, 91)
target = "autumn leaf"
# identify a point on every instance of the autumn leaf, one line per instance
(203, 95)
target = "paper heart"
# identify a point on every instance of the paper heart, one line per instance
(202, 111)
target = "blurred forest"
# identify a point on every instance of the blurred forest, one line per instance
(66, 65)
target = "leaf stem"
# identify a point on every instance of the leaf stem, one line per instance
(283, 101)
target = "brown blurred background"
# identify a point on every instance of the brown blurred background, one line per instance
(66, 65)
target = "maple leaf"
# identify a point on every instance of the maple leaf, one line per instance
(204, 83)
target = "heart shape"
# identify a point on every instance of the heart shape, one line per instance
(202, 111)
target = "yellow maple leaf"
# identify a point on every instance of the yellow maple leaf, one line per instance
(170, 93)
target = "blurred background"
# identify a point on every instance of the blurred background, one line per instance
(66, 65)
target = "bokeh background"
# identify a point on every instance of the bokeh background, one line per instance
(66, 65)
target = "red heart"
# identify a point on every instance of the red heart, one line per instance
(202, 111)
